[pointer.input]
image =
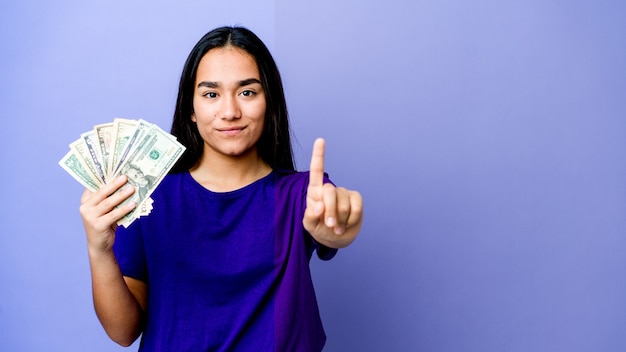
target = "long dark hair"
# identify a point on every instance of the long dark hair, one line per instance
(274, 145)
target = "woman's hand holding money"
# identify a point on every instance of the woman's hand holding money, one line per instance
(119, 301)
(100, 213)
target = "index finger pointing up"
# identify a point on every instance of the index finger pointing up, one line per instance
(316, 172)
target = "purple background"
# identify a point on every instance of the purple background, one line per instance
(488, 139)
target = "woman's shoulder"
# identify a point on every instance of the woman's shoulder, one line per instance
(291, 176)
(294, 180)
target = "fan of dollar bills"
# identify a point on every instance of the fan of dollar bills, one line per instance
(136, 148)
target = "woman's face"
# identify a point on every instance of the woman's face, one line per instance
(228, 102)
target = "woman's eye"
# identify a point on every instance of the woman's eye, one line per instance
(247, 93)
(210, 94)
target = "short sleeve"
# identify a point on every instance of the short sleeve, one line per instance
(130, 252)
(325, 253)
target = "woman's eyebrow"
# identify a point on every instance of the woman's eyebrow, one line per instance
(242, 83)
(208, 84)
(249, 81)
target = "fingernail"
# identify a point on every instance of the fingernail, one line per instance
(339, 230)
(330, 222)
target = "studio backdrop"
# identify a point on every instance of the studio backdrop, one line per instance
(488, 139)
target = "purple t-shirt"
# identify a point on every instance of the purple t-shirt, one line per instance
(226, 271)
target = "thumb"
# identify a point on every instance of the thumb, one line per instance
(313, 214)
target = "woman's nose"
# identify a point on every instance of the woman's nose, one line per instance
(230, 108)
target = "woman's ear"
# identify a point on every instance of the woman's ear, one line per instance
(193, 117)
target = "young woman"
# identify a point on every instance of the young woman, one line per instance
(222, 261)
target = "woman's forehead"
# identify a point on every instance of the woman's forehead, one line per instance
(227, 64)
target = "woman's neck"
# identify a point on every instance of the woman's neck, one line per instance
(222, 173)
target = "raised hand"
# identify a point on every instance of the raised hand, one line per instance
(99, 212)
(333, 215)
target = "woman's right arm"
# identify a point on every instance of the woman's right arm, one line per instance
(119, 301)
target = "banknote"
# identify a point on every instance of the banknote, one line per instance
(123, 130)
(75, 168)
(104, 133)
(93, 148)
(147, 165)
(79, 147)
(136, 148)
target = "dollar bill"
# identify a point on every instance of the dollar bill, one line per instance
(140, 136)
(81, 151)
(147, 165)
(93, 147)
(104, 132)
(71, 163)
(146, 206)
(123, 130)
(136, 148)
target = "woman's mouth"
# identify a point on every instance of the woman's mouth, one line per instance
(231, 131)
